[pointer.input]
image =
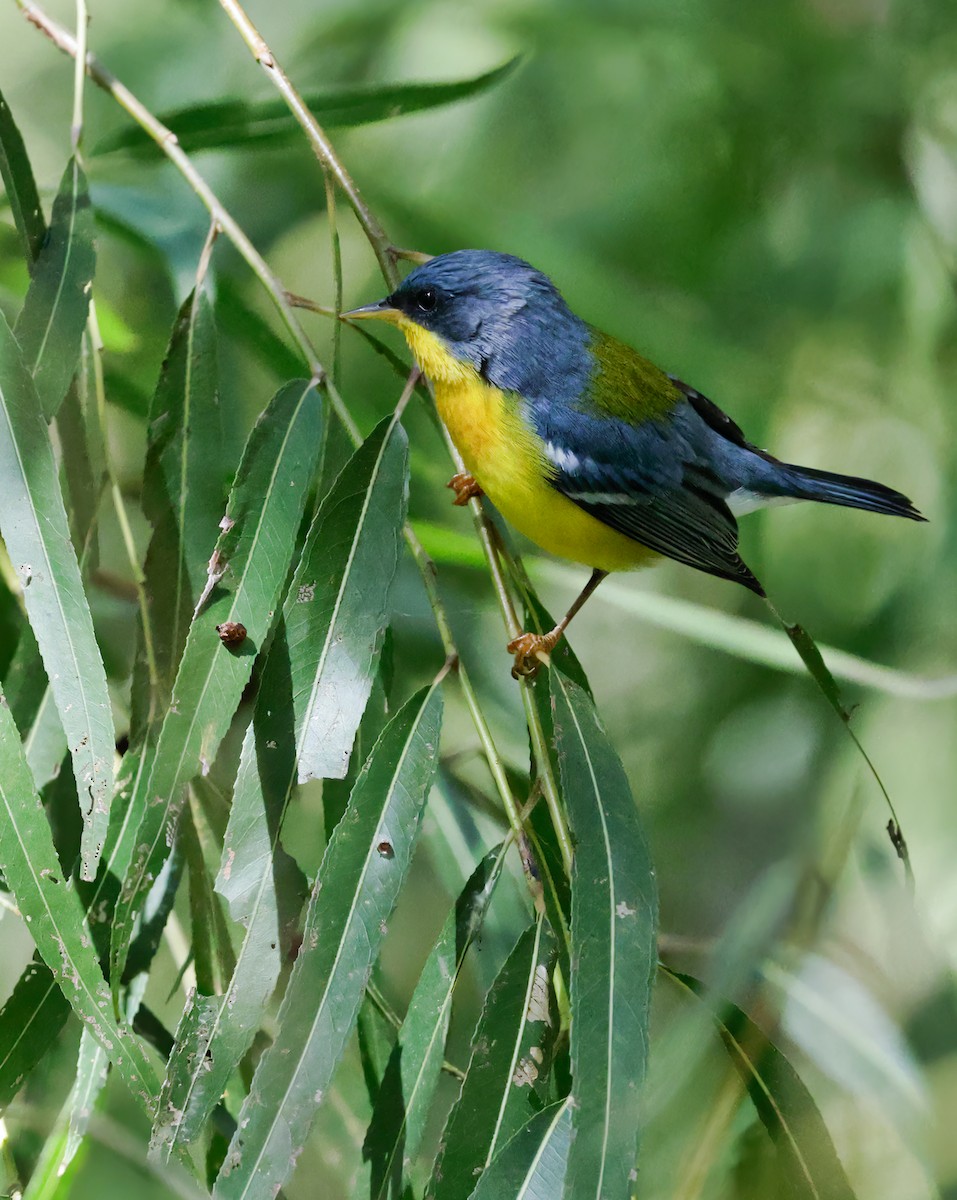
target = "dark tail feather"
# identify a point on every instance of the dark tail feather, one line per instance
(829, 488)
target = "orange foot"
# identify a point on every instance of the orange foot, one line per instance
(526, 648)
(465, 487)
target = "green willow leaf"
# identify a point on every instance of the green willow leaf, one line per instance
(37, 1009)
(336, 792)
(70, 1127)
(185, 486)
(83, 469)
(342, 608)
(53, 317)
(33, 524)
(248, 568)
(534, 1164)
(511, 1053)
(356, 889)
(55, 918)
(30, 1020)
(614, 950)
(405, 1095)
(786, 1108)
(319, 668)
(812, 658)
(213, 955)
(20, 186)
(241, 123)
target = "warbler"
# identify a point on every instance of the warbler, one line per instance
(582, 444)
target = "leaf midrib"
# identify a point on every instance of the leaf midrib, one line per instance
(611, 942)
(340, 595)
(186, 738)
(64, 623)
(346, 926)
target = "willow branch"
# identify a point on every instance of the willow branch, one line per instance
(387, 253)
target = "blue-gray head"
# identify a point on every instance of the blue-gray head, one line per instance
(499, 314)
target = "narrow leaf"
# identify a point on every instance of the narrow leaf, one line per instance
(787, 1110)
(213, 955)
(54, 313)
(83, 471)
(534, 1164)
(510, 1056)
(71, 1125)
(19, 184)
(184, 494)
(319, 667)
(217, 1030)
(341, 611)
(240, 123)
(37, 1009)
(33, 524)
(29, 1023)
(614, 951)
(54, 915)
(155, 914)
(357, 887)
(402, 1105)
(818, 670)
(247, 570)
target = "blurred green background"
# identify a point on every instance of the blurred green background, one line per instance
(763, 199)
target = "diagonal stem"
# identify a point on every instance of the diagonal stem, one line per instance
(385, 252)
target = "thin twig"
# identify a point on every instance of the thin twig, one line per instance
(335, 247)
(385, 252)
(79, 75)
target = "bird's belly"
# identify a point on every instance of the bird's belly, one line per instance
(505, 457)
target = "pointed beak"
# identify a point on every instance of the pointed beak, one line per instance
(382, 310)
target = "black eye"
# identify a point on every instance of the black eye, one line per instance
(427, 300)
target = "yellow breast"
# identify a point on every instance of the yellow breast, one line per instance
(507, 458)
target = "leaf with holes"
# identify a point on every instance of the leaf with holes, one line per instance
(405, 1095)
(319, 668)
(356, 889)
(55, 918)
(248, 568)
(511, 1052)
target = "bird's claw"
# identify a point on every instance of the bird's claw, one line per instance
(465, 487)
(526, 648)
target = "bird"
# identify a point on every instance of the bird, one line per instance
(581, 443)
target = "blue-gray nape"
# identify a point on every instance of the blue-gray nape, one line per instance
(507, 319)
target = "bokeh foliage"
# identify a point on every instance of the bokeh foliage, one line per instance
(763, 199)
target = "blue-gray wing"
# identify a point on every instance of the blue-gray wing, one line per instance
(663, 483)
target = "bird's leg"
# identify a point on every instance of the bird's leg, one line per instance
(465, 487)
(527, 647)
